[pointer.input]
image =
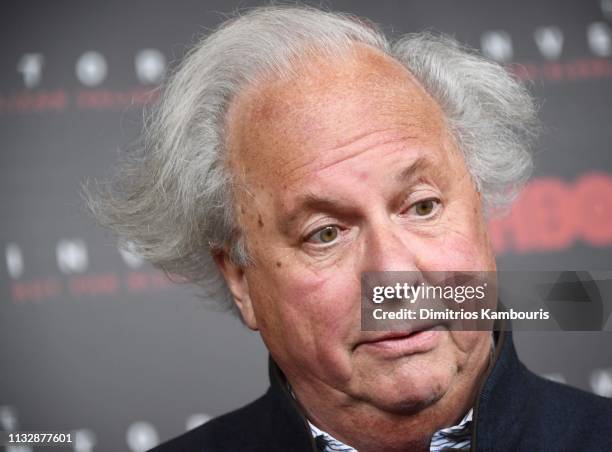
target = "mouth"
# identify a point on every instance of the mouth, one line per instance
(401, 343)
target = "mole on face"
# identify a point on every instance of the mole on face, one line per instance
(278, 264)
(260, 221)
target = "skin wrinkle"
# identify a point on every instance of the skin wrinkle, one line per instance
(311, 201)
(308, 311)
(350, 143)
(353, 142)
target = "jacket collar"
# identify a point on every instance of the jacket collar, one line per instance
(502, 398)
(295, 434)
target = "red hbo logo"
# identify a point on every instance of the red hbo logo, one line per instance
(551, 215)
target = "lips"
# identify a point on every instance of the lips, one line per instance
(408, 329)
(396, 343)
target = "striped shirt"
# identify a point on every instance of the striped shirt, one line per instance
(455, 437)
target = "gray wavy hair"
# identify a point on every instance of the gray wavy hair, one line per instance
(172, 197)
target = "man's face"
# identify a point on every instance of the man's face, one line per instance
(349, 167)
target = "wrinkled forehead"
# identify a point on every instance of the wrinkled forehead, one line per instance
(280, 125)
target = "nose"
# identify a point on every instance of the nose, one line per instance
(388, 246)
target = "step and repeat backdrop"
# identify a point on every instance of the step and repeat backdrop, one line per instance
(95, 341)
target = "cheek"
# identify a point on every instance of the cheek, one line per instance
(469, 345)
(463, 242)
(455, 252)
(466, 341)
(318, 306)
(307, 321)
(328, 297)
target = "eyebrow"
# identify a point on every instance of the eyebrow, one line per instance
(312, 202)
(412, 171)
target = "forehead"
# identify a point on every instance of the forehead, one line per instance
(283, 130)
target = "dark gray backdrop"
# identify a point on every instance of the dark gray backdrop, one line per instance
(95, 341)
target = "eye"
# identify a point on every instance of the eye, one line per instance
(425, 208)
(324, 235)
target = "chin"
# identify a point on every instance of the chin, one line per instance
(406, 404)
(410, 395)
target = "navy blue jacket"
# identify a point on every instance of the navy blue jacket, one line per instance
(516, 410)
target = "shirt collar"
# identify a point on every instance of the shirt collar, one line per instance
(454, 437)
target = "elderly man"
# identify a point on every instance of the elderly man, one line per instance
(295, 149)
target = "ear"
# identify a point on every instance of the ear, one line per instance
(236, 281)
